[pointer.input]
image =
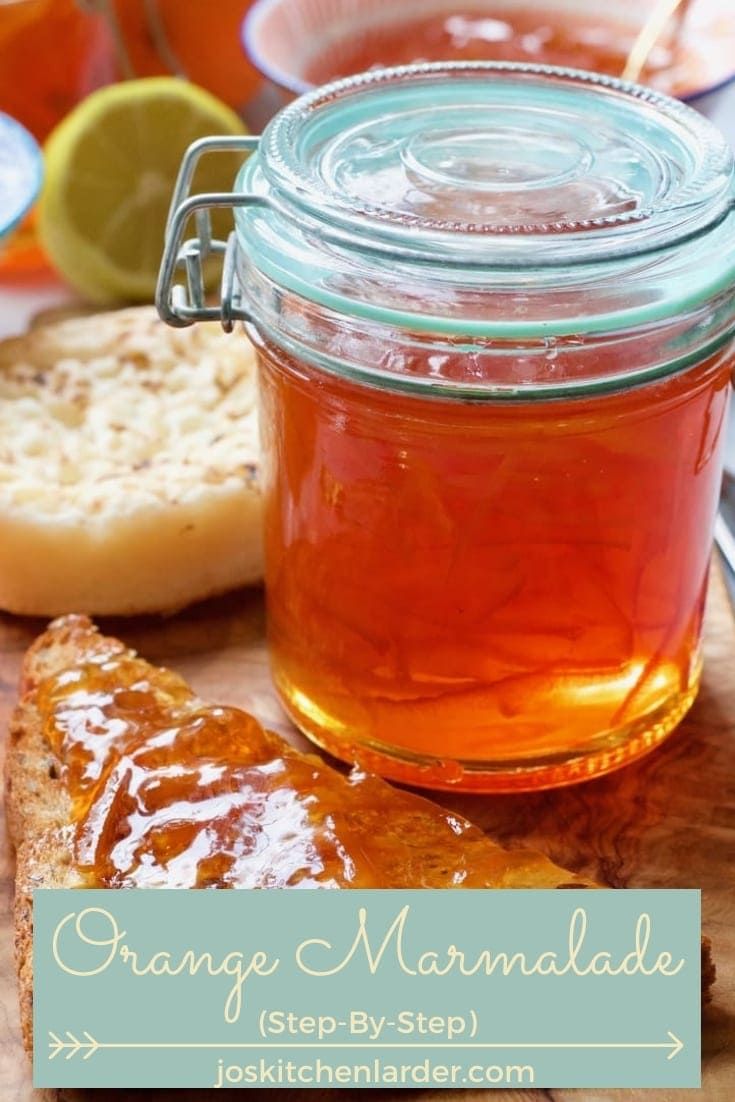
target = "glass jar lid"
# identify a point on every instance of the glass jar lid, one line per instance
(467, 155)
(491, 201)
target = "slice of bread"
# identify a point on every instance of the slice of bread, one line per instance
(439, 846)
(128, 466)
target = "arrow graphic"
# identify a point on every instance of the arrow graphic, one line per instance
(74, 1046)
(676, 1047)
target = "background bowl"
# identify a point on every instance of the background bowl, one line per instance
(283, 38)
(21, 171)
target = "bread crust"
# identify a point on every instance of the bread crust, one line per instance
(37, 805)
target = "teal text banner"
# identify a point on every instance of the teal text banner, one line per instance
(352, 989)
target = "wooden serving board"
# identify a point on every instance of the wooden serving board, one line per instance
(666, 821)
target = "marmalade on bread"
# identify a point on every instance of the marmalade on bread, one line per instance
(167, 791)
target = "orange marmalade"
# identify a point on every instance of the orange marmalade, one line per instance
(591, 40)
(494, 311)
(167, 791)
(452, 587)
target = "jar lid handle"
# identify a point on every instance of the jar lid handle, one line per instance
(180, 304)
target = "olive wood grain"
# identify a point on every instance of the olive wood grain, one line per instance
(665, 821)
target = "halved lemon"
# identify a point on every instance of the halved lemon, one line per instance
(110, 171)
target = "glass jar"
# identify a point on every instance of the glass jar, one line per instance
(181, 37)
(53, 53)
(493, 308)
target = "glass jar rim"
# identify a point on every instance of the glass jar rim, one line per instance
(616, 274)
(292, 152)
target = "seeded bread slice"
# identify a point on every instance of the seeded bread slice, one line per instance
(39, 808)
(129, 464)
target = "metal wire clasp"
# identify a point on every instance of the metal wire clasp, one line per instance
(181, 304)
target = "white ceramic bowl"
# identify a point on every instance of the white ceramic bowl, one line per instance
(282, 37)
(21, 169)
